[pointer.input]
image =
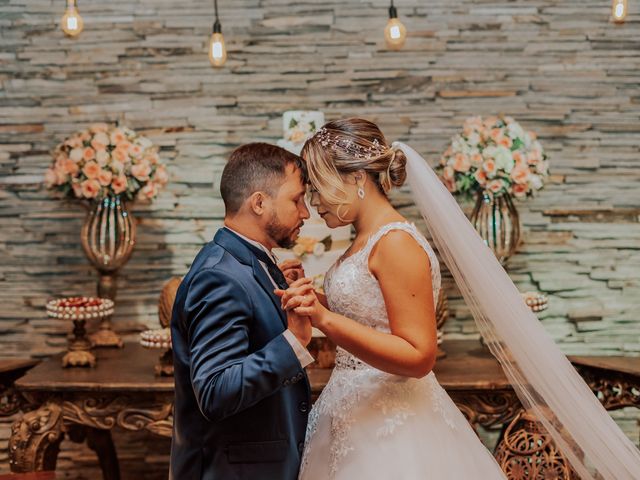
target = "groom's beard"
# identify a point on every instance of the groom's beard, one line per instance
(283, 236)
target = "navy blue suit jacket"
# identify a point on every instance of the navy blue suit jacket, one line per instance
(241, 396)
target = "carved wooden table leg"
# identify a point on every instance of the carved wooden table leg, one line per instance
(100, 441)
(526, 451)
(35, 439)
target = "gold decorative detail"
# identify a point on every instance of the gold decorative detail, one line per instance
(526, 451)
(489, 409)
(35, 439)
(10, 401)
(613, 389)
(108, 237)
(105, 336)
(496, 220)
(79, 358)
(108, 412)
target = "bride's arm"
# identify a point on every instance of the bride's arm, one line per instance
(402, 269)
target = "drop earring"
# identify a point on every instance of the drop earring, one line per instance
(361, 193)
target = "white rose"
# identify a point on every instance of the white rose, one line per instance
(76, 154)
(473, 139)
(102, 157)
(101, 138)
(489, 152)
(458, 144)
(319, 249)
(515, 131)
(504, 159)
(535, 181)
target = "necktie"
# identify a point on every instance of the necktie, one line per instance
(272, 268)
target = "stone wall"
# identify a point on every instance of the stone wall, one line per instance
(560, 68)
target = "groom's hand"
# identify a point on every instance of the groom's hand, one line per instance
(300, 326)
(292, 270)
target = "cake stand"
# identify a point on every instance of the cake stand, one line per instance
(79, 310)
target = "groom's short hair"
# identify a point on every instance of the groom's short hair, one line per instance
(255, 167)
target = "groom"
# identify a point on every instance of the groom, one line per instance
(241, 394)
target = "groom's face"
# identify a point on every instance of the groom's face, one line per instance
(287, 209)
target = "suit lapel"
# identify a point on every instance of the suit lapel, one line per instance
(236, 247)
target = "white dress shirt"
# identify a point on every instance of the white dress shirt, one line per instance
(301, 352)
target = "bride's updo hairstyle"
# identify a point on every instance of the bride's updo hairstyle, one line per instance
(346, 146)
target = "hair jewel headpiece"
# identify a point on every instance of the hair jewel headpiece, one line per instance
(328, 140)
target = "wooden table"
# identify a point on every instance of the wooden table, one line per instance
(86, 403)
(123, 392)
(10, 370)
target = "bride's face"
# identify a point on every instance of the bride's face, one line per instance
(336, 215)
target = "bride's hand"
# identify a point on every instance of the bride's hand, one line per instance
(301, 298)
(292, 270)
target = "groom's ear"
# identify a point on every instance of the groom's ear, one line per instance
(257, 203)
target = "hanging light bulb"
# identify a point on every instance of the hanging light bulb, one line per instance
(217, 49)
(71, 22)
(395, 32)
(619, 10)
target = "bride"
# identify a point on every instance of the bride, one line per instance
(383, 414)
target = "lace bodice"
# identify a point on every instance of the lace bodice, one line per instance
(354, 292)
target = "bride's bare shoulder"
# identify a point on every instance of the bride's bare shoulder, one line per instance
(398, 251)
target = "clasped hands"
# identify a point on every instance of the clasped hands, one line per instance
(299, 300)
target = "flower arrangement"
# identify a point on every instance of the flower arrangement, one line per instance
(106, 160)
(306, 245)
(300, 129)
(494, 155)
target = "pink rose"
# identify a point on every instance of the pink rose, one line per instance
(496, 135)
(141, 171)
(448, 173)
(135, 150)
(481, 177)
(91, 170)
(520, 175)
(120, 155)
(518, 158)
(50, 178)
(489, 166)
(74, 142)
(461, 163)
(104, 177)
(505, 142)
(119, 184)
(88, 154)
(117, 136)
(161, 176)
(69, 167)
(77, 189)
(451, 185)
(152, 158)
(476, 159)
(97, 146)
(520, 190)
(495, 186)
(90, 188)
(149, 191)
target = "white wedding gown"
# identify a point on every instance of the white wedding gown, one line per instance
(368, 424)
